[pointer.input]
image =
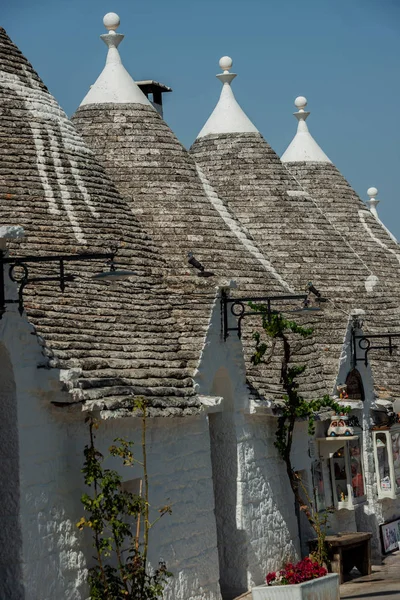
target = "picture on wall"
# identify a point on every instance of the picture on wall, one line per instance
(390, 536)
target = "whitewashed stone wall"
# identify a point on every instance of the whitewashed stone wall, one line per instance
(180, 474)
(53, 552)
(10, 530)
(256, 521)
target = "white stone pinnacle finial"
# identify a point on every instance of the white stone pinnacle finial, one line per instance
(303, 147)
(372, 203)
(227, 116)
(114, 84)
(301, 114)
(226, 63)
(111, 22)
(300, 103)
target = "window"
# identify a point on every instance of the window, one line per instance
(356, 472)
(339, 475)
(387, 462)
(347, 474)
(319, 485)
(383, 470)
(355, 388)
(396, 458)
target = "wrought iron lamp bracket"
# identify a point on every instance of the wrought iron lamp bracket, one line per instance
(365, 343)
(23, 279)
(239, 308)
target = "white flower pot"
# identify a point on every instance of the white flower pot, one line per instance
(323, 588)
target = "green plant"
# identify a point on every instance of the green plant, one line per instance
(114, 516)
(295, 407)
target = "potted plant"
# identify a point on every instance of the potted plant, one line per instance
(301, 581)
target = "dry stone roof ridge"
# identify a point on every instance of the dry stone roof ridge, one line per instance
(301, 241)
(114, 340)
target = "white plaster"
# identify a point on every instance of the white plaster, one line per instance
(48, 114)
(63, 186)
(371, 282)
(41, 166)
(227, 116)
(82, 188)
(296, 193)
(114, 84)
(303, 147)
(238, 229)
(12, 232)
(261, 407)
(212, 403)
(254, 505)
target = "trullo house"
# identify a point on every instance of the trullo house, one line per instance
(311, 225)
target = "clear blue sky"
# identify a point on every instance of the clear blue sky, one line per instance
(343, 55)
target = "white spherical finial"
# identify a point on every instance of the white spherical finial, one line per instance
(372, 192)
(225, 63)
(300, 102)
(111, 21)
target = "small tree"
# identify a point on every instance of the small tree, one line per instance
(295, 407)
(114, 516)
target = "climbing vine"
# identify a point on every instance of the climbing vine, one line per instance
(294, 408)
(119, 522)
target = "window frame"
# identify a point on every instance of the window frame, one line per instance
(394, 492)
(351, 501)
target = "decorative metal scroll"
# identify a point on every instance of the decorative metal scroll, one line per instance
(366, 344)
(239, 308)
(22, 278)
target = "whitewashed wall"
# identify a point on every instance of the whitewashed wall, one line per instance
(51, 441)
(10, 530)
(256, 521)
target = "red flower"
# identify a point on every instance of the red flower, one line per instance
(305, 570)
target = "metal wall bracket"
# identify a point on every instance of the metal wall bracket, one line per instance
(365, 343)
(239, 308)
(23, 278)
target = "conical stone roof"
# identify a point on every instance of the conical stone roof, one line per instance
(373, 243)
(296, 234)
(303, 147)
(120, 339)
(176, 204)
(340, 203)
